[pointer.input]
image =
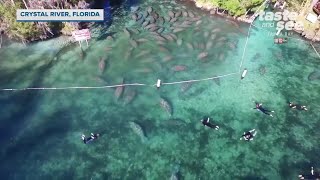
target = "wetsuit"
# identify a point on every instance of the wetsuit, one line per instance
(247, 136)
(263, 110)
(297, 106)
(205, 121)
(310, 176)
(89, 139)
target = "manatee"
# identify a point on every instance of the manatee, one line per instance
(198, 22)
(168, 37)
(185, 13)
(160, 30)
(175, 174)
(173, 36)
(176, 30)
(189, 45)
(102, 65)
(126, 32)
(194, 19)
(191, 14)
(153, 29)
(158, 37)
(139, 17)
(150, 26)
(178, 68)
(142, 53)
(209, 45)
(142, 40)
(217, 81)
(133, 43)
(185, 87)
(144, 24)
(152, 20)
(134, 16)
(137, 129)
(167, 18)
(161, 20)
(110, 38)
(213, 36)
(155, 15)
(167, 58)
(149, 9)
(202, 46)
(145, 14)
(206, 34)
(215, 30)
(129, 97)
(178, 14)
(135, 8)
(171, 14)
(166, 106)
(315, 75)
(179, 42)
(119, 90)
(202, 55)
(173, 20)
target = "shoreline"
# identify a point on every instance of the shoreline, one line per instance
(305, 34)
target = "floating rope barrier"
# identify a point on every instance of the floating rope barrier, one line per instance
(315, 50)
(113, 86)
(75, 87)
(248, 35)
(197, 80)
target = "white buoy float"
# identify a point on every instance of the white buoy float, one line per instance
(244, 73)
(158, 83)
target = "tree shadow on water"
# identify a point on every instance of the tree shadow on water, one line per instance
(38, 144)
(24, 102)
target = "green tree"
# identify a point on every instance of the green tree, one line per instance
(20, 30)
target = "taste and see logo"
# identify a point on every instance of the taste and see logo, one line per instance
(281, 20)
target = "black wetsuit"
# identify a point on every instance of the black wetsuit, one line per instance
(260, 108)
(91, 138)
(247, 136)
(297, 106)
(205, 121)
(315, 176)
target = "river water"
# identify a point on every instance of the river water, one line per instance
(150, 133)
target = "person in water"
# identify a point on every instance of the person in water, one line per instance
(206, 122)
(89, 139)
(312, 176)
(297, 106)
(263, 110)
(248, 136)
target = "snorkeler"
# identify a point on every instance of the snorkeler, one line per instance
(248, 136)
(297, 106)
(312, 176)
(263, 110)
(206, 122)
(89, 139)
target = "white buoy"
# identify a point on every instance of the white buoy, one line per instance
(244, 73)
(158, 83)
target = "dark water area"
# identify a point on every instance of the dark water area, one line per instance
(150, 133)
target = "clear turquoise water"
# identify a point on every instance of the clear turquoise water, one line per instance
(41, 130)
